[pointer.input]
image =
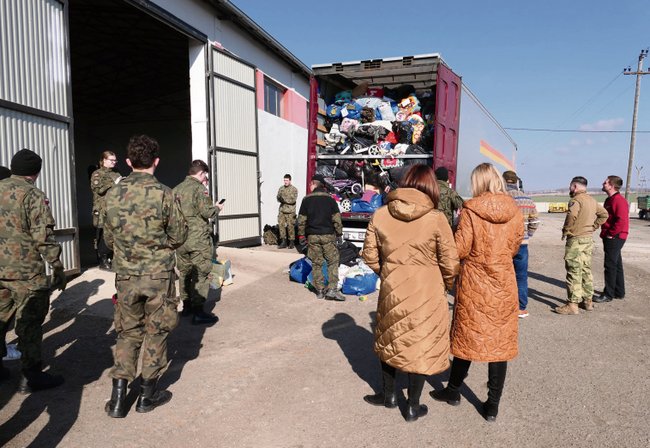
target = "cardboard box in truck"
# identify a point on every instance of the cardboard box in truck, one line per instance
(371, 119)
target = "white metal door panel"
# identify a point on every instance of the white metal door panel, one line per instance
(234, 149)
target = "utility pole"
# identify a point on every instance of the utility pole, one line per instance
(639, 72)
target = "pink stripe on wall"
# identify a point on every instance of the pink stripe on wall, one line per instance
(259, 84)
(294, 106)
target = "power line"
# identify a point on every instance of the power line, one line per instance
(603, 131)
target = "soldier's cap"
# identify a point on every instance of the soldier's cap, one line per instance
(579, 180)
(510, 177)
(442, 173)
(26, 163)
(319, 178)
(4, 172)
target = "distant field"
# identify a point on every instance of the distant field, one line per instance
(562, 198)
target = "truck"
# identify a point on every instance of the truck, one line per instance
(456, 130)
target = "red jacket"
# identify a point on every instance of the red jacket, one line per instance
(618, 222)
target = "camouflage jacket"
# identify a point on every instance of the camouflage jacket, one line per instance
(287, 197)
(26, 230)
(319, 215)
(143, 224)
(101, 181)
(198, 209)
(584, 217)
(449, 202)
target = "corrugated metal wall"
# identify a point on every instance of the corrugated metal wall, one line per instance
(35, 111)
(234, 148)
(32, 50)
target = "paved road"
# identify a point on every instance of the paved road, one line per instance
(284, 370)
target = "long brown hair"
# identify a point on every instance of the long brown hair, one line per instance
(422, 178)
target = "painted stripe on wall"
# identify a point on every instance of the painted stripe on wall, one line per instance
(492, 154)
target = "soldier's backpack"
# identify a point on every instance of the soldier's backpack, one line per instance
(271, 235)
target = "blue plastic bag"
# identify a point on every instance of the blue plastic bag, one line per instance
(299, 270)
(360, 284)
(376, 201)
(310, 277)
(360, 206)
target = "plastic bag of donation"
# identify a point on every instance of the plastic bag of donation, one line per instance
(221, 275)
(299, 270)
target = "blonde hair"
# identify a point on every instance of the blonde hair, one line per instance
(486, 178)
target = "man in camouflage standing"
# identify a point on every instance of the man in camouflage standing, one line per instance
(287, 197)
(319, 226)
(143, 226)
(450, 201)
(584, 217)
(26, 241)
(102, 180)
(194, 257)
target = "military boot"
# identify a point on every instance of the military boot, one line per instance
(291, 245)
(150, 398)
(105, 264)
(283, 244)
(587, 305)
(33, 379)
(333, 294)
(569, 309)
(320, 294)
(187, 308)
(5, 374)
(116, 407)
(201, 317)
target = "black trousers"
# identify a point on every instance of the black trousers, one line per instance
(614, 276)
(103, 252)
(416, 383)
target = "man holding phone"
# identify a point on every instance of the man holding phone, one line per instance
(194, 258)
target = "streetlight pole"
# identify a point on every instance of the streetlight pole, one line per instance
(630, 161)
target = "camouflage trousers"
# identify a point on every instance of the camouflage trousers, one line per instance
(577, 260)
(145, 313)
(29, 300)
(194, 268)
(320, 249)
(287, 220)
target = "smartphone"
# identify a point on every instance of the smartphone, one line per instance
(222, 201)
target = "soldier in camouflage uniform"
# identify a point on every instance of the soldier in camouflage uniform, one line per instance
(143, 225)
(26, 241)
(102, 180)
(584, 217)
(194, 258)
(450, 201)
(319, 226)
(287, 197)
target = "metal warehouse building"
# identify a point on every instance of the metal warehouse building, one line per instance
(78, 77)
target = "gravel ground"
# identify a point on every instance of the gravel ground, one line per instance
(281, 369)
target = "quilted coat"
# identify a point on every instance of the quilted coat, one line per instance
(410, 245)
(485, 322)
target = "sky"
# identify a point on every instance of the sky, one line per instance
(541, 65)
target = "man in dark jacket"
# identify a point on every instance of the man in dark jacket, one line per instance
(614, 233)
(319, 225)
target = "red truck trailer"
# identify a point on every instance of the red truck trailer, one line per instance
(436, 120)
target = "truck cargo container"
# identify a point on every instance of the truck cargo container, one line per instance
(458, 133)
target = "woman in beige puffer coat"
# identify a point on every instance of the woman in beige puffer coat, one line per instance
(485, 323)
(410, 245)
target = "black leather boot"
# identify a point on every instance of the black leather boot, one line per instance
(150, 398)
(415, 410)
(5, 374)
(451, 393)
(283, 244)
(33, 379)
(187, 308)
(116, 407)
(387, 397)
(496, 380)
(200, 317)
(291, 245)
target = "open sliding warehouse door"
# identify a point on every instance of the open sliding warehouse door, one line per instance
(35, 105)
(234, 150)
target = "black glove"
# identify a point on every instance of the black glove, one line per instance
(59, 280)
(339, 240)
